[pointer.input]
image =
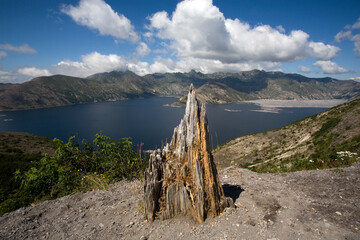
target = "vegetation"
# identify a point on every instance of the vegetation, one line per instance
(327, 140)
(75, 167)
(17, 151)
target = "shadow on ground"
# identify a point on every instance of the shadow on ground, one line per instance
(232, 191)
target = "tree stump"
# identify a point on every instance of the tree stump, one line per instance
(182, 177)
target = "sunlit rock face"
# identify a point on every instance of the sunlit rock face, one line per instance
(182, 177)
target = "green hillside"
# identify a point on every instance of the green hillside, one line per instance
(17, 151)
(328, 139)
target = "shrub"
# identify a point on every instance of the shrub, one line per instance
(74, 168)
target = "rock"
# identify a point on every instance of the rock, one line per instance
(182, 177)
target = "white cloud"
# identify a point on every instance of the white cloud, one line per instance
(198, 29)
(2, 54)
(90, 64)
(355, 79)
(96, 14)
(304, 69)
(25, 48)
(14, 77)
(33, 72)
(205, 65)
(342, 35)
(330, 67)
(142, 49)
(140, 68)
(348, 35)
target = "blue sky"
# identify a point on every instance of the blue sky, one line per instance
(83, 37)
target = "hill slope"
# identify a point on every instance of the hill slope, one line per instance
(59, 90)
(17, 151)
(234, 87)
(302, 205)
(328, 139)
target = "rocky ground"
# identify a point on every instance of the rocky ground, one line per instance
(321, 204)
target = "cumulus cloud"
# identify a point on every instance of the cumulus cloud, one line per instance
(205, 65)
(95, 62)
(98, 15)
(197, 29)
(25, 48)
(90, 64)
(330, 67)
(33, 72)
(304, 69)
(142, 49)
(140, 68)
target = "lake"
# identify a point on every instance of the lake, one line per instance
(146, 121)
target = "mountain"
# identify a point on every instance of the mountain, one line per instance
(250, 85)
(328, 139)
(60, 90)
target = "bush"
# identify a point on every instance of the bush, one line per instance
(74, 168)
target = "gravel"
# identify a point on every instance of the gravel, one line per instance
(321, 204)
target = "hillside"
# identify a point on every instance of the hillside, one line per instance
(328, 139)
(17, 151)
(235, 87)
(315, 204)
(59, 90)
(303, 205)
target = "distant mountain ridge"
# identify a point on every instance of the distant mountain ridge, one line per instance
(60, 90)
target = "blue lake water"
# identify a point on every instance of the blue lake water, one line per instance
(146, 121)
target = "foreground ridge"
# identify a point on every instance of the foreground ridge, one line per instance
(182, 177)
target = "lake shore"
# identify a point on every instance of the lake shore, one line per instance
(272, 103)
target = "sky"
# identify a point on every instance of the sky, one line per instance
(82, 37)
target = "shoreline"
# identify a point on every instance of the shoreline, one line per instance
(272, 103)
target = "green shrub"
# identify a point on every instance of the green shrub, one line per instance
(74, 168)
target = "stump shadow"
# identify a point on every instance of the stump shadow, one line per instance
(232, 191)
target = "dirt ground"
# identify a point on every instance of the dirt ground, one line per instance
(321, 204)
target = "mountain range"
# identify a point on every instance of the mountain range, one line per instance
(61, 90)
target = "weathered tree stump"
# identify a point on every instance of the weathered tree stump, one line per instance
(182, 177)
